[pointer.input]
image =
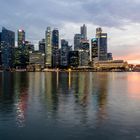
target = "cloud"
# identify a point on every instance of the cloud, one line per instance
(119, 18)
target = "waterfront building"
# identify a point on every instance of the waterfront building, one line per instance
(111, 65)
(94, 49)
(36, 60)
(21, 38)
(65, 49)
(7, 46)
(84, 53)
(21, 58)
(77, 41)
(84, 32)
(42, 46)
(55, 48)
(73, 58)
(48, 48)
(83, 58)
(102, 44)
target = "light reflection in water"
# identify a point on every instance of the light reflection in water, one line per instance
(21, 107)
(70, 104)
(133, 86)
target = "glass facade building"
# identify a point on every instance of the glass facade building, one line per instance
(21, 38)
(7, 46)
(102, 44)
(65, 49)
(48, 47)
(84, 32)
(94, 49)
(55, 48)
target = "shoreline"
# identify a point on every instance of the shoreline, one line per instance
(64, 70)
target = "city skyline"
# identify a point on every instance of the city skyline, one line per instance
(115, 17)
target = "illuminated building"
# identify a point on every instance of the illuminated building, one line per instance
(102, 44)
(94, 49)
(21, 58)
(83, 58)
(110, 65)
(84, 53)
(36, 60)
(21, 38)
(55, 48)
(48, 47)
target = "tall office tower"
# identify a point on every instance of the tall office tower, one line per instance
(83, 58)
(77, 41)
(7, 44)
(102, 44)
(21, 38)
(65, 49)
(48, 48)
(84, 32)
(7, 38)
(42, 46)
(94, 49)
(55, 48)
(84, 53)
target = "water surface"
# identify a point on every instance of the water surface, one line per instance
(72, 106)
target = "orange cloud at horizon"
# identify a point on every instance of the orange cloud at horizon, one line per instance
(130, 58)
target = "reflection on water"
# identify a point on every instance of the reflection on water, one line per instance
(96, 104)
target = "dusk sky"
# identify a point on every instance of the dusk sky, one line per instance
(119, 18)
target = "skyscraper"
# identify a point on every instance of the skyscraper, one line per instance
(77, 41)
(48, 47)
(7, 38)
(55, 48)
(7, 45)
(42, 46)
(84, 32)
(102, 44)
(84, 53)
(73, 58)
(21, 38)
(65, 49)
(94, 49)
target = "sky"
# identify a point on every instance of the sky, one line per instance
(119, 18)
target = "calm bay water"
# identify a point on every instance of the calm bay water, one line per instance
(72, 106)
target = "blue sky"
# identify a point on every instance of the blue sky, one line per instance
(119, 18)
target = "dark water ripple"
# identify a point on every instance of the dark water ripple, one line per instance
(72, 106)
